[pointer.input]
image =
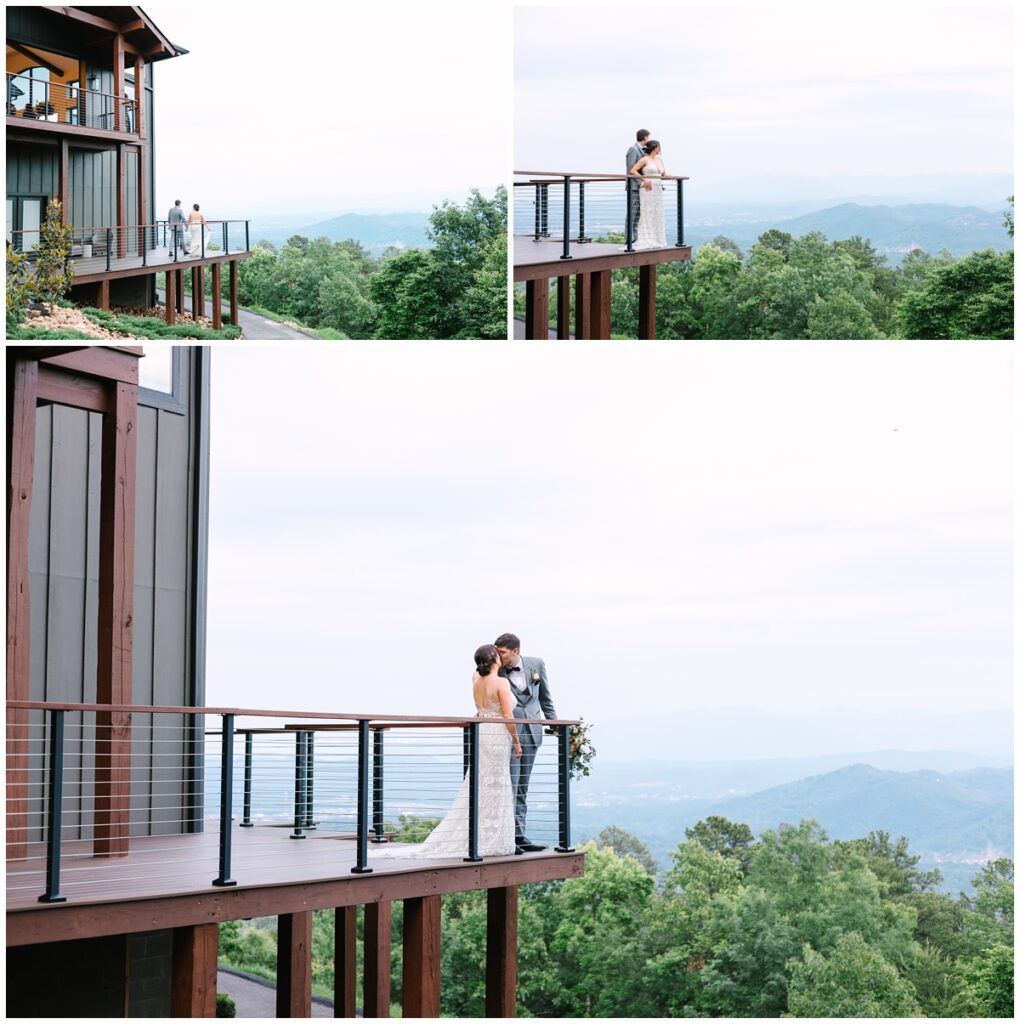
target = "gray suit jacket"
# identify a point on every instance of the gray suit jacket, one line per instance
(534, 701)
(176, 215)
(633, 155)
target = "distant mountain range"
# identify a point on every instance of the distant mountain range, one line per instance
(375, 231)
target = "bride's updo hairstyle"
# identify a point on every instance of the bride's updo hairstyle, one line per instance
(651, 146)
(486, 659)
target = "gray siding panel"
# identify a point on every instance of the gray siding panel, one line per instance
(32, 170)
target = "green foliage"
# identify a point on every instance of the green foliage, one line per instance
(989, 980)
(993, 892)
(152, 327)
(225, 1006)
(730, 839)
(892, 863)
(624, 844)
(19, 287)
(53, 271)
(853, 981)
(1007, 217)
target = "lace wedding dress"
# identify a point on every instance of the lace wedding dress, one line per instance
(495, 805)
(651, 232)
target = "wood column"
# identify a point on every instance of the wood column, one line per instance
(601, 303)
(217, 298)
(345, 961)
(120, 237)
(180, 290)
(64, 181)
(421, 955)
(646, 302)
(294, 965)
(196, 952)
(118, 82)
(378, 937)
(536, 309)
(116, 608)
(197, 292)
(582, 305)
(233, 292)
(104, 294)
(501, 953)
(563, 306)
(140, 96)
(22, 390)
(171, 297)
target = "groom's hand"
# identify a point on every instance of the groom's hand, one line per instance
(646, 184)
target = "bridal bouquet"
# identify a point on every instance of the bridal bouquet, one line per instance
(582, 752)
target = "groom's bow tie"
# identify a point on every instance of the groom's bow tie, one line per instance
(514, 668)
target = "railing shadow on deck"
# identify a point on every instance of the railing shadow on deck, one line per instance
(86, 781)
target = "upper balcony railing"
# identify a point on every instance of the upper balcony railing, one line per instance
(577, 208)
(89, 781)
(32, 100)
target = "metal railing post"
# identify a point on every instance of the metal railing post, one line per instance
(247, 241)
(679, 212)
(226, 247)
(378, 824)
(580, 212)
(53, 810)
(246, 821)
(300, 778)
(467, 750)
(364, 782)
(145, 262)
(566, 219)
(226, 800)
(473, 775)
(201, 235)
(309, 779)
(545, 209)
(629, 228)
(109, 246)
(538, 211)
(564, 772)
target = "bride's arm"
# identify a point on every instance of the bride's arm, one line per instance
(633, 172)
(506, 706)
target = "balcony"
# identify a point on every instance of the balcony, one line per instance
(71, 109)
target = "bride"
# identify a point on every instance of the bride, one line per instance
(651, 229)
(196, 224)
(495, 794)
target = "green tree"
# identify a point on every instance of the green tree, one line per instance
(255, 278)
(993, 892)
(989, 981)
(483, 308)
(343, 307)
(853, 981)
(1007, 221)
(730, 839)
(779, 241)
(728, 245)
(413, 294)
(892, 863)
(53, 270)
(625, 844)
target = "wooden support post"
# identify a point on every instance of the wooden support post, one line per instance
(563, 307)
(601, 303)
(116, 609)
(197, 293)
(196, 952)
(140, 98)
(22, 388)
(217, 298)
(421, 956)
(233, 292)
(646, 302)
(501, 953)
(118, 82)
(171, 297)
(536, 309)
(121, 231)
(582, 305)
(64, 185)
(378, 935)
(180, 290)
(104, 294)
(345, 961)
(294, 964)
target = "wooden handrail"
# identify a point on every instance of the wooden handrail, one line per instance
(589, 176)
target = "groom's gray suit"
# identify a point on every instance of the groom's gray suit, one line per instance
(634, 154)
(530, 687)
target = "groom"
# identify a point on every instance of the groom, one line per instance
(636, 151)
(531, 689)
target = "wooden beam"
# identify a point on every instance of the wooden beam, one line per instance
(233, 292)
(105, 362)
(294, 965)
(582, 306)
(501, 953)
(171, 296)
(118, 80)
(77, 14)
(140, 101)
(563, 306)
(536, 309)
(421, 956)
(217, 297)
(180, 291)
(601, 303)
(646, 302)
(22, 385)
(63, 181)
(195, 959)
(79, 392)
(38, 58)
(377, 958)
(104, 294)
(116, 612)
(345, 962)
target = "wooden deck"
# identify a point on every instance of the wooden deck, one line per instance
(535, 260)
(88, 271)
(165, 882)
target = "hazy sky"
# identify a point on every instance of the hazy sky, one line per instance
(790, 525)
(737, 91)
(330, 108)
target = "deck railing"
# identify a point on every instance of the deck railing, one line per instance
(575, 208)
(106, 247)
(31, 99)
(86, 780)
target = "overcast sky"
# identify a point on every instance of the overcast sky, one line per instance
(869, 92)
(790, 525)
(330, 108)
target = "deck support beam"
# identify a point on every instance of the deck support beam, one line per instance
(217, 298)
(104, 295)
(536, 308)
(646, 302)
(601, 303)
(195, 958)
(582, 305)
(180, 290)
(421, 955)
(378, 939)
(345, 961)
(563, 306)
(501, 953)
(294, 965)
(171, 297)
(233, 292)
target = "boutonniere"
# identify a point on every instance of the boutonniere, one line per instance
(536, 676)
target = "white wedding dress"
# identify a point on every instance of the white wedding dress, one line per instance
(651, 230)
(449, 839)
(195, 238)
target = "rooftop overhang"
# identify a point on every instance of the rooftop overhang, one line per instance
(141, 35)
